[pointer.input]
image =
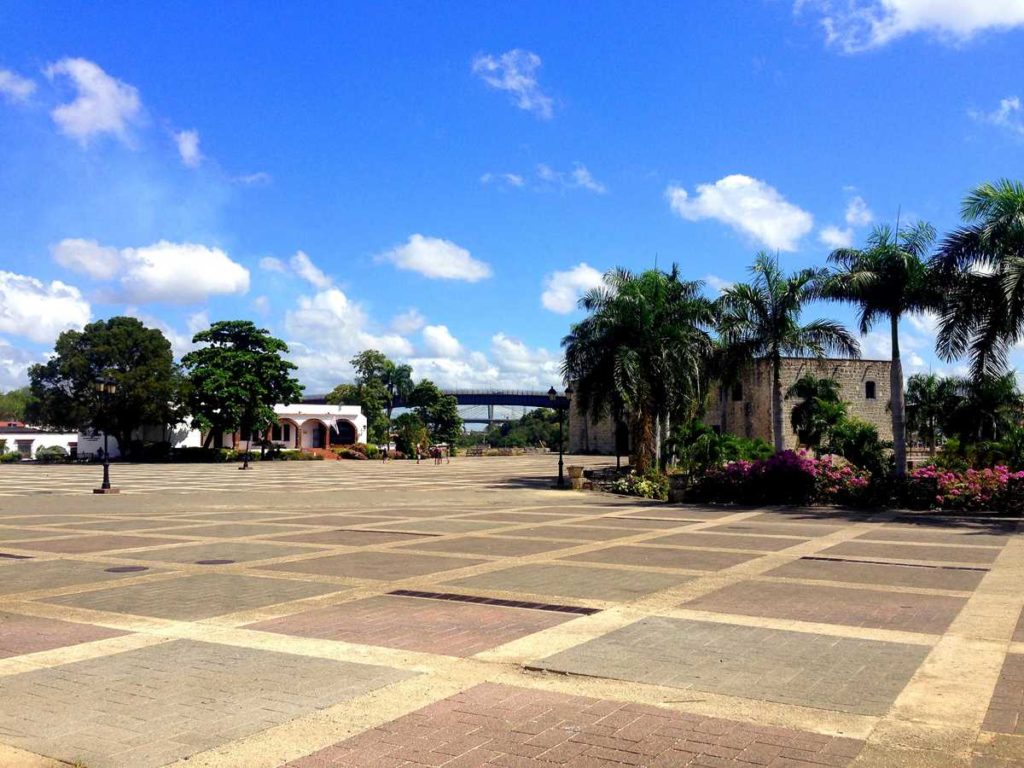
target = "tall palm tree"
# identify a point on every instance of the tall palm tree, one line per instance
(642, 350)
(983, 408)
(820, 408)
(926, 400)
(886, 280)
(761, 319)
(981, 267)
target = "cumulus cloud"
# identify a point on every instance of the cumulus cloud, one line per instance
(508, 179)
(14, 364)
(304, 267)
(834, 237)
(173, 273)
(859, 25)
(718, 284)
(408, 322)
(440, 342)
(39, 311)
(578, 178)
(88, 257)
(508, 363)
(1008, 116)
(14, 87)
(102, 103)
(262, 305)
(562, 289)
(188, 147)
(749, 206)
(514, 72)
(857, 212)
(437, 259)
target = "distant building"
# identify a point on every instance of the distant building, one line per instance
(306, 426)
(28, 440)
(745, 409)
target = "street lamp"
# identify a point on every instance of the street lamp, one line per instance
(561, 406)
(106, 390)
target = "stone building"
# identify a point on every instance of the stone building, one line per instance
(745, 409)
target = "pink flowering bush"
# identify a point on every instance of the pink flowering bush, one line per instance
(994, 488)
(788, 477)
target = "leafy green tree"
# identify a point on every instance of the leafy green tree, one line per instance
(370, 397)
(236, 379)
(394, 380)
(437, 411)
(14, 404)
(538, 428)
(887, 279)
(761, 319)
(982, 409)
(137, 360)
(641, 352)
(858, 442)
(410, 433)
(981, 270)
(819, 410)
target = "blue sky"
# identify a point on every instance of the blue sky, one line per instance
(440, 180)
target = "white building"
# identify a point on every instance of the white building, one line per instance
(28, 440)
(305, 426)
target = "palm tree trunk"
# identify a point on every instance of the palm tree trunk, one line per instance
(899, 428)
(643, 447)
(777, 403)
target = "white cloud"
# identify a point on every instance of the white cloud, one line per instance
(180, 273)
(14, 364)
(513, 71)
(857, 212)
(308, 271)
(508, 363)
(14, 87)
(578, 178)
(87, 256)
(834, 237)
(717, 283)
(271, 264)
(262, 305)
(926, 323)
(440, 342)
(102, 104)
(437, 259)
(563, 289)
(858, 25)
(39, 311)
(1008, 116)
(188, 147)
(749, 206)
(509, 179)
(407, 322)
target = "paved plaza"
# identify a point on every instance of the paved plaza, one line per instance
(363, 615)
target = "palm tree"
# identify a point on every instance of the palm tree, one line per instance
(762, 320)
(642, 349)
(983, 408)
(820, 408)
(926, 401)
(887, 279)
(981, 268)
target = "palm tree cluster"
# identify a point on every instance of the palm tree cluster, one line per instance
(652, 343)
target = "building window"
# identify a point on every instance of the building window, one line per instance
(275, 432)
(737, 393)
(288, 433)
(869, 390)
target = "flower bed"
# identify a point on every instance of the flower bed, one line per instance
(973, 490)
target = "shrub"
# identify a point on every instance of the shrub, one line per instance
(351, 453)
(297, 455)
(11, 457)
(973, 490)
(51, 454)
(858, 441)
(652, 485)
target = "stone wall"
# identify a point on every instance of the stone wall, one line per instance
(747, 410)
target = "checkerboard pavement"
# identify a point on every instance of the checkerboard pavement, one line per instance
(250, 619)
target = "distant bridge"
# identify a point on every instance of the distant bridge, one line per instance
(514, 403)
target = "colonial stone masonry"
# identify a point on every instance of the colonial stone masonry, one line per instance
(745, 409)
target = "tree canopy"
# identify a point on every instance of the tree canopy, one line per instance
(14, 404)
(819, 410)
(121, 351)
(237, 377)
(438, 412)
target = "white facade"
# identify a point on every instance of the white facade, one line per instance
(318, 426)
(27, 440)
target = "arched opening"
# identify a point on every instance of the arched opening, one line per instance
(343, 432)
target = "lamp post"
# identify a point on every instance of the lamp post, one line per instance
(106, 389)
(561, 406)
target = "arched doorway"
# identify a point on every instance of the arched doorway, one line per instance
(343, 432)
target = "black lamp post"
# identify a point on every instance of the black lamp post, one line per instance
(106, 389)
(561, 406)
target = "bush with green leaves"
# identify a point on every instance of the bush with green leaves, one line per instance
(650, 485)
(51, 454)
(10, 457)
(858, 442)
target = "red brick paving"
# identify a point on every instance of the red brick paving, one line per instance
(497, 725)
(417, 624)
(30, 634)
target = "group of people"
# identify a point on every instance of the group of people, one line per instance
(439, 453)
